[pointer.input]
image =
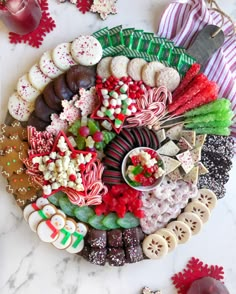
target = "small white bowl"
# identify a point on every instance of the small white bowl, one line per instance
(124, 167)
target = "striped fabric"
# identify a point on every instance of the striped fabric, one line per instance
(182, 20)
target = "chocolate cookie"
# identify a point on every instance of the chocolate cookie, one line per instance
(51, 99)
(61, 88)
(42, 110)
(36, 122)
(79, 76)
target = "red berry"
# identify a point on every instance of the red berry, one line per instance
(98, 136)
(93, 149)
(100, 209)
(84, 131)
(121, 210)
(82, 167)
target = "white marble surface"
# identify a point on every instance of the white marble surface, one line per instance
(30, 267)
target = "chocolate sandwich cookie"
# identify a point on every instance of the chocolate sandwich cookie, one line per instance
(61, 88)
(127, 135)
(36, 122)
(112, 177)
(51, 99)
(79, 76)
(42, 110)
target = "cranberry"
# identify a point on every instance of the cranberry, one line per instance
(84, 131)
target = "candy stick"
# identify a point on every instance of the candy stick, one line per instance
(194, 87)
(206, 95)
(213, 131)
(190, 74)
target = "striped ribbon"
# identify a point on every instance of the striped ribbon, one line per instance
(182, 20)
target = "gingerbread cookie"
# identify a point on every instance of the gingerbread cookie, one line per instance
(21, 186)
(14, 129)
(14, 143)
(11, 162)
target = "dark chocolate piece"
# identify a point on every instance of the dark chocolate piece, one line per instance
(131, 237)
(36, 122)
(98, 256)
(134, 254)
(42, 110)
(79, 76)
(114, 238)
(61, 88)
(116, 256)
(51, 98)
(97, 238)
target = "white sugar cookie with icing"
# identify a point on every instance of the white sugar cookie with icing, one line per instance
(19, 108)
(26, 90)
(64, 239)
(37, 78)
(62, 57)
(77, 239)
(86, 50)
(135, 68)
(119, 66)
(104, 67)
(48, 67)
(39, 204)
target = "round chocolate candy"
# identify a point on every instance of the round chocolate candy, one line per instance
(61, 88)
(51, 98)
(36, 122)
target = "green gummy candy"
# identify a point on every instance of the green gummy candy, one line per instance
(95, 221)
(108, 136)
(110, 221)
(66, 206)
(128, 221)
(54, 199)
(218, 105)
(80, 142)
(74, 127)
(137, 170)
(99, 145)
(84, 213)
(93, 127)
(213, 131)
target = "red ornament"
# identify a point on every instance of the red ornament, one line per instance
(35, 38)
(195, 270)
(84, 5)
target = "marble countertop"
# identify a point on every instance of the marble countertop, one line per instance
(29, 266)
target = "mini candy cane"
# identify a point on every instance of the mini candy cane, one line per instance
(95, 189)
(74, 196)
(152, 106)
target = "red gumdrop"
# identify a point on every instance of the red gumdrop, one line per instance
(107, 198)
(139, 213)
(118, 190)
(121, 210)
(84, 131)
(98, 136)
(101, 209)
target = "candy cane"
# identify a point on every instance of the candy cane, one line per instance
(151, 107)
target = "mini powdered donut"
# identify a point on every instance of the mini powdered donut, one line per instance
(19, 108)
(119, 66)
(169, 78)
(37, 78)
(86, 50)
(42, 110)
(26, 90)
(149, 72)
(62, 57)
(104, 68)
(48, 67)
(135, 67)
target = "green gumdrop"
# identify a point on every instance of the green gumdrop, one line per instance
(110, 221)
(75, 127)
(66, 206)
(93, 127)
(80, 142)
(83, 213)
(137, 170)
(128, 221)
(95, 221)
(99, 145)
(54, 199)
